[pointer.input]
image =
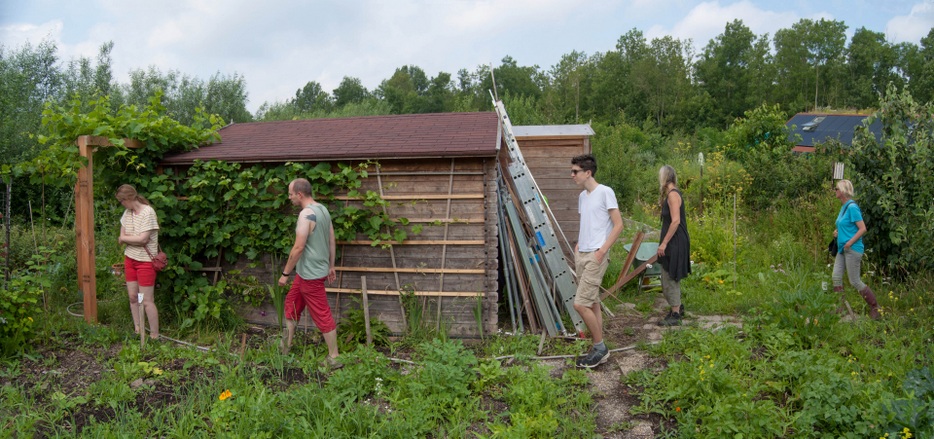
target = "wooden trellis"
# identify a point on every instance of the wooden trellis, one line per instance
(84, 221)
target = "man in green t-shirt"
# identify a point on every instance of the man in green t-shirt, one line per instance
(312, 257)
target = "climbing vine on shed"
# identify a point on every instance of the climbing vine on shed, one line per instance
(212, 209)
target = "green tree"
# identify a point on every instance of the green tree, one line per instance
(808, 55)
(663, 78)
(514, 79)
(919, 67)
(84, 78)
(733, 70)
(893, 183)
(223, 95)
(440, 94)
(871, 66)
(226, 96)
(614, 93)
(405, 90)
(311, 97)
(29, 77)
(349, 91)
(566, 99)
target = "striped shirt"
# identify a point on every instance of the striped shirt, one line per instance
(135, 224)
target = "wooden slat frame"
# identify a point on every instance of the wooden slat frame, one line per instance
(413, 270)
(417, 196)
(416, 293)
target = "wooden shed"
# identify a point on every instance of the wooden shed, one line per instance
(438, 170)
(548, 150)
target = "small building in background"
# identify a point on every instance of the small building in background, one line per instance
(807, 130)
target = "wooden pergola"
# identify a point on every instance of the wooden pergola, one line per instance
(84, 221)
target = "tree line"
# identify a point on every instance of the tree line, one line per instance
(659, 83)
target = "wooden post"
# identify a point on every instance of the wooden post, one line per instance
(636, 243)
(366, 311)
(84, 230)
(84, 221)
(142, 321)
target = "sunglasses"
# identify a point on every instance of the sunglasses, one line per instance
(576, 171)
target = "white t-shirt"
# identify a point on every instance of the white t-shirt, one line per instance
(596, 225)
(134, 224)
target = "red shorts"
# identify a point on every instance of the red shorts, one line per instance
(310, 293)
(138, 271)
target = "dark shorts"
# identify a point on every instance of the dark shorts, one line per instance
(139, 271)
(310, 294)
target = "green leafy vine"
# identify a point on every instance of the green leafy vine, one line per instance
(212, 209)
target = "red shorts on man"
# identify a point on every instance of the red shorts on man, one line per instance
(311, 294)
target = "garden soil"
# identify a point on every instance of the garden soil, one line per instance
(70, 371)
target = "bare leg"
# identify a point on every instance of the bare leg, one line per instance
(330, 339)
(286, 342)
(133, 292)
(593, 318)
(149, 305)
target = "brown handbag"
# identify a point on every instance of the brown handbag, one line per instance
(160, 260)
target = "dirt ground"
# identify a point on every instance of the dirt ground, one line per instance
(613, 397)
(72, 371)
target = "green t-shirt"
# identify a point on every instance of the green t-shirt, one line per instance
(315, 262)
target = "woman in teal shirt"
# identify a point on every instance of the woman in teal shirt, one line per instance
(849, 233)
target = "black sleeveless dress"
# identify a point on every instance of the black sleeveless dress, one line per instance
(677, 259)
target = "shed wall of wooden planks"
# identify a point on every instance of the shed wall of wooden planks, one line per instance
(450, 268)
(549, 160)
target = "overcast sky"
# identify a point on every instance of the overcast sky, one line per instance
(280, 45)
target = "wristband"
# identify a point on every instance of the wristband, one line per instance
(285, 274)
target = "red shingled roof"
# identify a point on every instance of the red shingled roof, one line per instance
(371, 137)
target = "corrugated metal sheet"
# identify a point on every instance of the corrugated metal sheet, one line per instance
(552, 130)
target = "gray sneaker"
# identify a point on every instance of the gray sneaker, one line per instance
(593, 359)
(672, 319)
(334, 363)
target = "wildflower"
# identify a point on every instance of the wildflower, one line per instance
(906, 433)
(224, 395)
(720, 281)
(677, 409)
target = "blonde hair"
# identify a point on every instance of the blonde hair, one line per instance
(666, 176)
(128, 192)
(846, 187)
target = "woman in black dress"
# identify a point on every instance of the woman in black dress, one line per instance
(674, 250)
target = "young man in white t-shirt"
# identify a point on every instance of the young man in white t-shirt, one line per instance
(600, 226)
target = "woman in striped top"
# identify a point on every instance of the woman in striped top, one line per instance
(139, 230)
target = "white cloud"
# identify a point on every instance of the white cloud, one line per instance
(914, 26)
(707, 20)
(15, 35)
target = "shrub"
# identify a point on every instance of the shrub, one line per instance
(893, 183)
(19, 302)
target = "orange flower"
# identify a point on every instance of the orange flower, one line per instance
(224, 395)
(677, 409)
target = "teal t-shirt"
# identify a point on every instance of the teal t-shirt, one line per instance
(846, 226)
(315, 262)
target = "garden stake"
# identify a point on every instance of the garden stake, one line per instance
(142, 321)
(541, 342)
(366, 311)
